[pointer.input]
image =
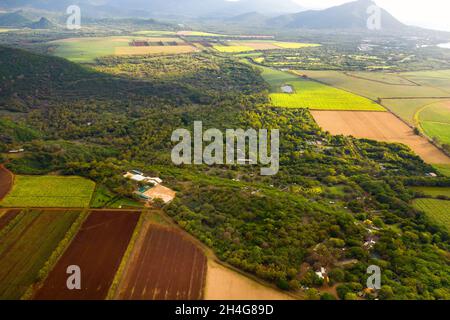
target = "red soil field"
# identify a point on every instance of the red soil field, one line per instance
(6, 181)
(8, 217)
(97, 249)
(164, 266)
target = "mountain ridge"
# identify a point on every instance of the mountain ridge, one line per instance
(350, 15)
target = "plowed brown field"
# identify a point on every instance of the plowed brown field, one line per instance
(165, 266)
(380, 126)
(97, 249)
(6, 181)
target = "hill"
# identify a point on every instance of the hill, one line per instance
(13, 19)
(351, 15)
(250, 19)
(43, 23)
(161, 8)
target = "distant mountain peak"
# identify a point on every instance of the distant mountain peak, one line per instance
(351, 15)
(43, 23)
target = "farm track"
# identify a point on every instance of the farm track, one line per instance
(6, 181)
(97, 249)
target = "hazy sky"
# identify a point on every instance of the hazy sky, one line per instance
(433, 14)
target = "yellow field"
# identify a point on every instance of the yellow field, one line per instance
(294, 45)
(244, 46)
(233, 49)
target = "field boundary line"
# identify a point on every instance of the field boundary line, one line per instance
(116, 285)
(13, 180)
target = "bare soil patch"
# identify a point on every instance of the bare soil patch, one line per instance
(97, 249)
(225, 284)
(380, 126)
(161, 192)
(165, 265)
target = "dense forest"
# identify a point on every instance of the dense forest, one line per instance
(331, 196)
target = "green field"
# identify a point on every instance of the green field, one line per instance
(419, 97)
(437, 210)
(367, 87)
(434, 191)
(436, 79)
(104, 198)
(25, 246)
(435, 121)
(49, 191)
(86, 50)
(312, 94)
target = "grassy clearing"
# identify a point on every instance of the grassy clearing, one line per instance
(313, 95)
(437, 210)
(24, 249)
(434, 191)
(49, 191)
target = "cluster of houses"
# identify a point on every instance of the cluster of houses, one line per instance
(150, 188)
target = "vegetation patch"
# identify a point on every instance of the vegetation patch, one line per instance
(49, 191)
(25, 246)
